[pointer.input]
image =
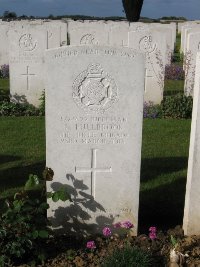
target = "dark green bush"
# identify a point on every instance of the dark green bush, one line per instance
(16, 109)
(177, 107)
(128, 257)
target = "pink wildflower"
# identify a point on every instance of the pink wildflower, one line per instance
(153, 229)
(106, 231)
(152, 236)
(127, 224)
(152, 232)
(91, 244)
(117, 225)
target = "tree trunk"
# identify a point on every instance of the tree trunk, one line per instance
(132, 9)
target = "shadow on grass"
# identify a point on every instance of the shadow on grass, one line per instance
(162, 206)
(150, 168)
(17, 176)
(8, 158)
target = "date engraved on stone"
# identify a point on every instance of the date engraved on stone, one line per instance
(94, 90)
(27, 43)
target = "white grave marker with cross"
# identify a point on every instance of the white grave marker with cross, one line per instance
(94, 134)
(27, 44)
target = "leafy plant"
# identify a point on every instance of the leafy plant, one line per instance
(42, 103)
(4, 71)
(128, 257)
(173, 241)
(151, 111)
(178, 106)
(24, 227)
(174, 72)
(16, 109)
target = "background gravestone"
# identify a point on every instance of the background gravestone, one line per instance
(88, 32)
(191, 219)
(193, 46)
(26, 63)
(93, 135)
(154, 46)
(4, 43)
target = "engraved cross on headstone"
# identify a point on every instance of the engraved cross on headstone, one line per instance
(49, 35)
(148, 74)
(27, 74)
(93, 170)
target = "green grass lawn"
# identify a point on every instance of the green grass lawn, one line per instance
(4, 88)
(173, 86)
(163, 169)
(163, 172)
(22, 151)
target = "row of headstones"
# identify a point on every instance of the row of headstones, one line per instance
(24, 43)
(190, 45)
(94, 136)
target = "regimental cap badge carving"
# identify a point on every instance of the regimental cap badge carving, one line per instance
(146, 44)
(27, 43)
(94, 90)
(88, 39)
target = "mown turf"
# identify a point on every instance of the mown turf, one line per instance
(163, 169)
(22, 151)
(163, 172)
(4, 88)
(174, 85)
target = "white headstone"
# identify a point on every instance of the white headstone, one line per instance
(94, 110)
(184, 28)
(165, 29)
(193, 46)
(4, 44)
(56, 33)
(191, 219)
(88, 33)
(153, 44)
(118, 33)
(26, 62)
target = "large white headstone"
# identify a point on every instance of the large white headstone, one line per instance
(94, 110)
(191, 219)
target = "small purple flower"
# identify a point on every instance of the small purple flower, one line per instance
(106, 231)
(117, 225)
(91, 244)
(127, 224)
